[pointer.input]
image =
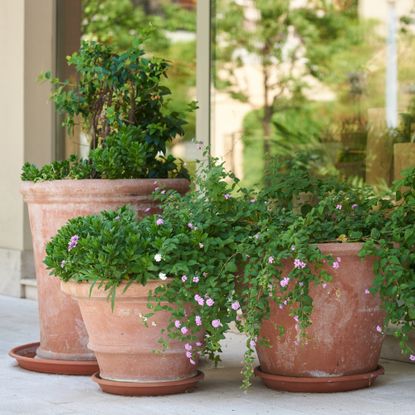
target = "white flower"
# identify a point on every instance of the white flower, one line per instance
(157, 257)
(162, 276)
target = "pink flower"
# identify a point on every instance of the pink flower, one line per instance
(190, 225)
(199, 299)
(189, 355)
(73, 242)
(227, 196)
(338, 259)
(184, 330)
(295, 318)
(198, 321)
(235, 305)
(147, 210)
(412, 357)
(284, 282)
(299, 264)
(196, 279)
(177, 324)
(252, 343)
(270, 260)
(367, 291)
(192, 361)
(184, 278)
(378, 329)
(198, 344)
(188, 347)
(216, 323)
(336, 265)
(354, 206)
(339, 207)
(324, 285)
(159, 222)
(210, 302)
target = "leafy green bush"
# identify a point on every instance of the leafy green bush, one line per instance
(118, 97)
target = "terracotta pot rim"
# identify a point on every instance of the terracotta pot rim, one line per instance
(87, 189)
(345, 248)
(134, 291)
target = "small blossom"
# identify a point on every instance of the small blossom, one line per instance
(190, 225)
(252, 343)
(227, 196)
(336, 265)
(184, 330)
(412, 357)
(284, 282)
(216, 323)
(292, 248)
(354, 206)
(159, 221)
(192, 361)
(117, 218)
(299, 264)
(162, 276)
(177, 324)
(235, 305)
(367, 291)
(73, 242)
(281, 307)
(301, 284)
(195, 278)
(209, 302)
(189, 355)
(271, 260)
(147, 210)
(188, 346)
(198, 321)
(205, 274)
(296, 318)
(324, 285)
(157, 257)
(201, 245)
(339, 207)
(63, 262)
(378, 329)
(163, 192)
(257, 235)
(198, 344)
(253, 200)
(154, 324)
(338, 259)
(199, 299)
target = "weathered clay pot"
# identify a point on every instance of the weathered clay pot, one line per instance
(343, 338)
(124, 346)
(51, 204)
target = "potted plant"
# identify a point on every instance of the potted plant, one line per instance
(154, 293)
(311, 305)
(121, 103)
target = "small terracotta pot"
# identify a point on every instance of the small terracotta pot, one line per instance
(51, 204)
(343, 338)
(124, 346)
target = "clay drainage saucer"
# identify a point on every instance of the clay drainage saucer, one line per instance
(323, 384)
(27, 359)
(148, 388)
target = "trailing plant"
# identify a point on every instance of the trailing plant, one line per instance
(121, 102)
(191, 245)
(394, 245)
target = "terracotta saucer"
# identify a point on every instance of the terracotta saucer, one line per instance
(323, 384)
(148, 389)
(26, 359)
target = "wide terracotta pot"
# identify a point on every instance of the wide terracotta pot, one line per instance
(125, 347)
(51, 204)
(343, 338)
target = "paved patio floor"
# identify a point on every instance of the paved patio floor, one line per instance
(23, 392)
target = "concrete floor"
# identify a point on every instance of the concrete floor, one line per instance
(23, 392)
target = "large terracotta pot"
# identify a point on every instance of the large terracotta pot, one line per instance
(343, 338)
(124, 346)
(51, 204)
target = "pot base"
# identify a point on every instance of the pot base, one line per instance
(26, 358)
(319, 385)
(148, 388)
